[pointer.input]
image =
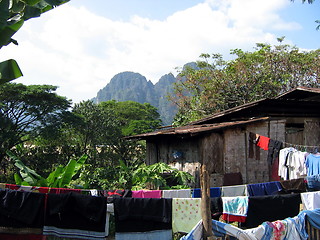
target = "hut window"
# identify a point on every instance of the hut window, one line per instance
(294, 127)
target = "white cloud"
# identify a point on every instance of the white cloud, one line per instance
(80, 51)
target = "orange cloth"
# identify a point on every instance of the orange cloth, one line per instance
(263, 142)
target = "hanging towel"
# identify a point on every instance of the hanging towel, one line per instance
(295, 185)
(186, 213)
(233, 191)
(142, 214)
(21, 212)
(147, 194)
(310, 200)
(271, 208)
(235, 208)
(262, 189)
(74, 215)
(27, 188)
(181, 193)
(214, 192)
(263, 142)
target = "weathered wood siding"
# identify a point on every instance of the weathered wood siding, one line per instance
(234, 151)
(312, 133)
(163, 151)
(211, 153)
(227, 151)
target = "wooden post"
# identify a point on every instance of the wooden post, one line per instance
(205, 203)
(211, 149)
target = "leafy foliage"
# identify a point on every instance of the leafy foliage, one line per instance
(134, 118)
(25, 111)
(156, 176)
(9, 70)
(61, 177)
(13, 14)
(216, 84)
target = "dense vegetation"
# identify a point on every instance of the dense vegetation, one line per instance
(217, 84)
(46, 142)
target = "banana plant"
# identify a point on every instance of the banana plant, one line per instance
(13, 14)
(61, 177)
(154, 175)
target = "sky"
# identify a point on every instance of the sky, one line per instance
(81, 45)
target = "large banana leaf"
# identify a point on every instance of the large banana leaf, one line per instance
(54, 177)
(9, 70)
(29, 176)
(59, 178)
(67, 174)
(13, 13)
(62, 176)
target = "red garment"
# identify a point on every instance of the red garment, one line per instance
(274, 170)
(233, 218)
(27, 188)
(263, 142)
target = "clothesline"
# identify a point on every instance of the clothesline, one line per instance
(301, 147)
(297, 146)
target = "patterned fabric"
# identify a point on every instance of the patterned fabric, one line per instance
(279, 229)
(235, 205)
(235, 208)
(186, 213)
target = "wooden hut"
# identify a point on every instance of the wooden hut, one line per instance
(221, 140)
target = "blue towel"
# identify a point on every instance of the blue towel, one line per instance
(262, 189)
(214, 192)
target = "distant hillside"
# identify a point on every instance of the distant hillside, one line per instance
(135, 87)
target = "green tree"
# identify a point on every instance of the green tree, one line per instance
(97, 126)
(13, 14)
(134, 118)
(217, 84)
(25, 111)
(61, 177)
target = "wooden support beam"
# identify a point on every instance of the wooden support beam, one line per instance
(205, 203)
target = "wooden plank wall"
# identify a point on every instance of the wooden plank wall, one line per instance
(312, 132)
(162, 151)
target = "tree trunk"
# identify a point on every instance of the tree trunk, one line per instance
(205, 203)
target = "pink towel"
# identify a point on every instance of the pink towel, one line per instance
(147, 194)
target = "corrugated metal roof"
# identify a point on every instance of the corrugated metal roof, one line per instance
(192, 130)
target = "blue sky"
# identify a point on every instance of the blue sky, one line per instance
(81, 45)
